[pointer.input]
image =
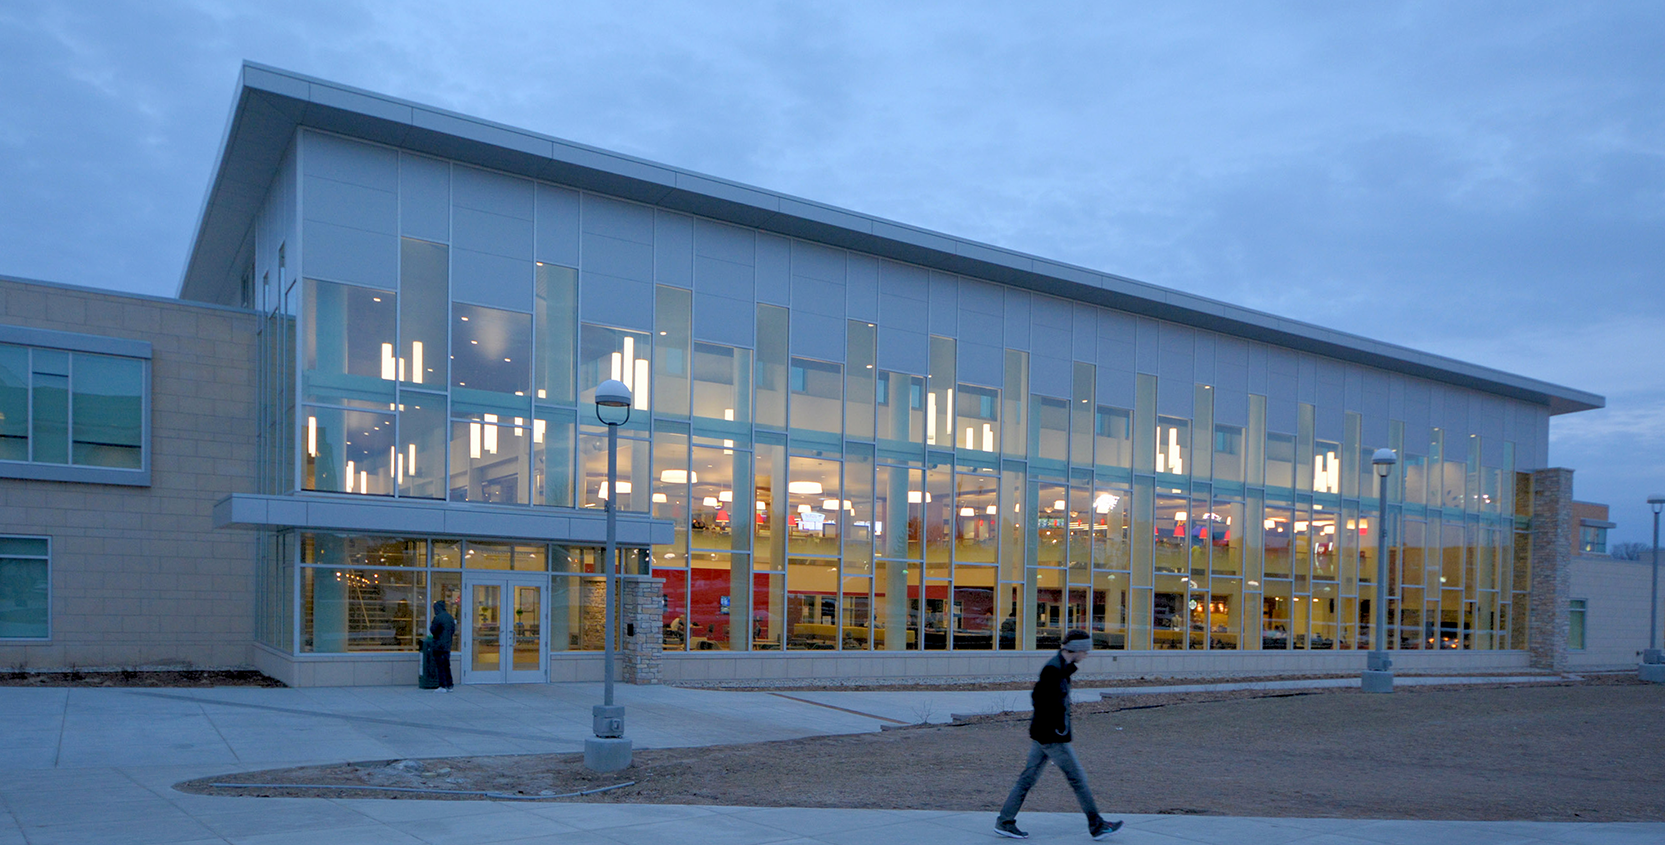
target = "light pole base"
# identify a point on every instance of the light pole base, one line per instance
(1653, 655)
(1651, 673)
(606, 755)
(1374, 681)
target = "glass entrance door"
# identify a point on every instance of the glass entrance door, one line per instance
(503, 629)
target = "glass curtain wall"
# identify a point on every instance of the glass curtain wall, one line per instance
(821, 503)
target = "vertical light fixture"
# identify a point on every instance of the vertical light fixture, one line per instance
(416, 361)
(608, 750)
(389, 371)
(1378, 673)
(312, 436)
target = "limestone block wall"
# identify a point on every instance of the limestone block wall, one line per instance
(1554, 530)
(643, 601)
(1615, 595)
(140, 576)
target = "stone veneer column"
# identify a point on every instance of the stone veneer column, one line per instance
(1553, 532)
(643, 610)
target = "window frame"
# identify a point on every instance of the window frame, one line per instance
(74, 342)
(48, 559)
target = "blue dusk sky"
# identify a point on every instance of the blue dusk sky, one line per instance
(1480, 180)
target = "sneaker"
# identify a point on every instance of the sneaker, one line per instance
(441, 689)
(1100, 828)
(1009, 830)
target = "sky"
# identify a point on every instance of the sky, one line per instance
(1483, 180)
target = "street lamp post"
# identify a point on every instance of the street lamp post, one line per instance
(1652, 669)
(1378, 672)
(609, 750)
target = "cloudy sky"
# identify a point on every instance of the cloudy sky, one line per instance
(1480, 180)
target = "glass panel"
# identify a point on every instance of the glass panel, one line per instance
(14, 403)
(1110, 526)
(973, 613)
(1324, 546)
(491, 460)
(349, 452)
(348, 345)
(1276, 605)
(50, 425)
(605, 353)
(712, 497)
(1321, 607)
(721, 403)
(768, 608)
(632, 468)
(424, 299)
(1082, 423)
(977, 518)
(1144, 423)
(899, 506)
(1228, 520)
(893, 630)
(1228, 453)
(491, 353)
(1113, 427)
(939, 518)
(528, 630)
(419, 466)
(978, 421)
(718, 594)
(935, 613)
(1254, 442)
(577, 614)
(506, 557)
(1326, 468)
(353, 610)
(671, 480)
(1280, 460)
(672, 351)
(815, 507)
(486, 619)
(1014, 400)
(769, 502)
(555, 327)
(857, 607)
(1222, 614)
(900, 422)
(939, 399)
(817, 390)
(812, 604)
(673, 619)
(1051, 524)
(1110, 610)
(25, 598)
(1304, 447)
(447, 553)
(1172, 517)
(1280, 542)
(771, 366)
(1049, 434)
(861, 345)
(1049, 607)
(1014, 531)
(552, 457)
(858, 495)
(107, 394)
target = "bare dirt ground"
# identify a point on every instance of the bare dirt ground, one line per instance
(139, 678)
(1578, 751)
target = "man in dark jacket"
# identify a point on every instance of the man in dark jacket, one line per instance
(1049, 727)
(444, 630)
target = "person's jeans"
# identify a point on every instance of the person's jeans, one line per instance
(1062, 756)
(442, 666)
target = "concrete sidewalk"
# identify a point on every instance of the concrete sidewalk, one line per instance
(98, 765)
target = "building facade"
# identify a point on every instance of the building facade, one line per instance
(856, 448)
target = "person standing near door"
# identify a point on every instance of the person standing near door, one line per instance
(444, 630)
(1049, 730)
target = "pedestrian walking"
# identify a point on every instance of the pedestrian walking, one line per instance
(444, 630)
(1049, 728)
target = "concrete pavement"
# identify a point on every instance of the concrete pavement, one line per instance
(98, 765)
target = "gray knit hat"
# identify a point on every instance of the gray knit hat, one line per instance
(1077, 641)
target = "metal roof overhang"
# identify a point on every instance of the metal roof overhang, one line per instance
(271, 104)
